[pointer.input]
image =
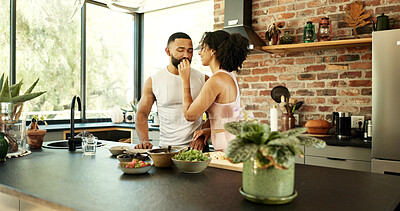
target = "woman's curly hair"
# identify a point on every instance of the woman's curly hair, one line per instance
(231, 49)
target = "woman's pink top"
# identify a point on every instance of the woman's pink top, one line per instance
(219, 114)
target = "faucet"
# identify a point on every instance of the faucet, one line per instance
(72, 141)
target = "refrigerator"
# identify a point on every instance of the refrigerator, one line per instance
(386, 102)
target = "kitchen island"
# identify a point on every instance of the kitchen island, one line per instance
(65, 180)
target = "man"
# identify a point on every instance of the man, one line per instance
(165, 88)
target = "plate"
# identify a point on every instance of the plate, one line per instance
(134, 151)
(272, 200)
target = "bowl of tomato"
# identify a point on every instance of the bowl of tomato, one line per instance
(136, 166)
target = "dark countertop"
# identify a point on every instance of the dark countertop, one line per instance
(354, 142)
(63, 180)
(57, 127)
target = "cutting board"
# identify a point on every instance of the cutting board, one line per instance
(225, 164)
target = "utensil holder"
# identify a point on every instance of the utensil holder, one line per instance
(287, 121)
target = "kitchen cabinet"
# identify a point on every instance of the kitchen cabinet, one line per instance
(343, 157)
(12, 203)
(111, 134)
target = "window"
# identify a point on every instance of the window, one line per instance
(109, 61)
(5, 36)
(49, 51)
(193, 19)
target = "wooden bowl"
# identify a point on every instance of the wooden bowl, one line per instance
(318, 126)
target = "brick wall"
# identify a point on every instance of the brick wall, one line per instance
(326, 80)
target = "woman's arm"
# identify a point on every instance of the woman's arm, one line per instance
(194, 109)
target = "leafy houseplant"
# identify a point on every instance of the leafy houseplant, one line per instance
(268, 159)
(11, 98)
(34, 135)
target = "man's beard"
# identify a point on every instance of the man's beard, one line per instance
(176, 61)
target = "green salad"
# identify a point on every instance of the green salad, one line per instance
(192, 155)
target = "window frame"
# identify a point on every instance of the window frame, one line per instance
(137, 54)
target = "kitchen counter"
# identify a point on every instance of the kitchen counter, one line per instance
(65, 180)
(57, 127)
(354, 142)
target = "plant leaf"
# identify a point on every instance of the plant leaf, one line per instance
(26, 97)
(284, 141)
(233, 127)
(238, 151)
(295, 131)
(311, 142)
(281, 156)
(32, 87)
(1, 82)
(15, 89)
(5, 95)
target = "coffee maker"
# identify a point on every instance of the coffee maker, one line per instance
(342, 120)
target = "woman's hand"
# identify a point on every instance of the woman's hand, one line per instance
(184, 70)
(203, 132)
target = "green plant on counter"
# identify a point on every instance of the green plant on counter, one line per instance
(270, 149)
(12, 95)
(133, 105)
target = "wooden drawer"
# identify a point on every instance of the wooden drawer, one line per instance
(342, 152)
(335, 163)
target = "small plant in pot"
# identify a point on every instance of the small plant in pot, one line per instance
(34, 135)
(12, 102)
(268, 159)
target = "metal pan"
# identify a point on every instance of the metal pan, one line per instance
(278, 91)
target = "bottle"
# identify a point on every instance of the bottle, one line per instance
(369, 128)
(273, 118)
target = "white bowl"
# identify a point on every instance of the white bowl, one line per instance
(116, 150)
(191, 166)
(140, 170)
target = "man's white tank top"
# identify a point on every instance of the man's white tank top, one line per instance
(167, 89)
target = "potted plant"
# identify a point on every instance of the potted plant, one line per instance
(130, 114)
(34, 135)
(268, 159)
(12, 103)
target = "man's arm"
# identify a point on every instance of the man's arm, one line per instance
(142, 115)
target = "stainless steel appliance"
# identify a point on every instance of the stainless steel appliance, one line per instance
(386, 101)
(342, 120)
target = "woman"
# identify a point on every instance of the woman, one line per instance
(220, 97)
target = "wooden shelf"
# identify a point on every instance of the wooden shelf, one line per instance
(318, 45)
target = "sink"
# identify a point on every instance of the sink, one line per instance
(63, 144)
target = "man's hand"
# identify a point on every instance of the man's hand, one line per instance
(200, 138)
(144, 145)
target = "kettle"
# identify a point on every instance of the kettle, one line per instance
(342, 120)
(382, 23)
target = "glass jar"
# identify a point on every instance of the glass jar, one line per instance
(287, 121)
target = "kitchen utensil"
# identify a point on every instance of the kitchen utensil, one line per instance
(161, 157)
(298, 105)
(382, 23)
(278, 91)
(342, 120)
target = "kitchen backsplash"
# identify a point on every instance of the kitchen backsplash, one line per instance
(327, 80)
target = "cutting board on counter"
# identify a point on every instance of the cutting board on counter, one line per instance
(225, 164)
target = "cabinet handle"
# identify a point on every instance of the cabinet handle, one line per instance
(341, 159)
